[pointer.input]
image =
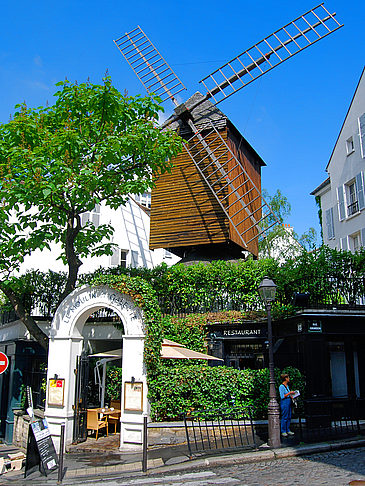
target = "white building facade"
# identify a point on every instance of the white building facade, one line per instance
(341, 195)
(131, 225)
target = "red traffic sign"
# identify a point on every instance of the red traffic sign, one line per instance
(4, 362)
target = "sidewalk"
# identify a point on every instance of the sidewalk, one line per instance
(89, 465)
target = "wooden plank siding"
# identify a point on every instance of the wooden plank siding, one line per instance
(185, 213)
(253, 169)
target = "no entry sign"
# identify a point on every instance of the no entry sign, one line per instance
(4, 361)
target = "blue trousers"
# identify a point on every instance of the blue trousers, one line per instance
(285, 406)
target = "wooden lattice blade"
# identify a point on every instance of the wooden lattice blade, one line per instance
(150, 67)
(241, 200)
(270, 52)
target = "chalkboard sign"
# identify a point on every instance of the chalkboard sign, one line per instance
(41, 453)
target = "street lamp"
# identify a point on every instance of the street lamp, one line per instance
(267, 291)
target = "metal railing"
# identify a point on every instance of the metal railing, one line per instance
(208, 430)
(339, 292)
(353, 208)
(325, 419)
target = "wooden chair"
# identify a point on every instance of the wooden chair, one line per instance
(114, 418)
(115, 404)
(94, 423)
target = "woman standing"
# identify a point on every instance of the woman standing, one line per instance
(285, 405)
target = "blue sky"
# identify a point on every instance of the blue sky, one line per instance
(291, 116)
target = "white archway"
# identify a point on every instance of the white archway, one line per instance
(66, 343)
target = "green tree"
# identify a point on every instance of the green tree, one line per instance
(93, 146)
(289, 242)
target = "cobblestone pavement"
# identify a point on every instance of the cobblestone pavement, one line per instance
(333, 468)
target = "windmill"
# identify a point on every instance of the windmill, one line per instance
(211, 202)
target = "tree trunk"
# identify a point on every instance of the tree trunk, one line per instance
(27, 319)
(74, 263)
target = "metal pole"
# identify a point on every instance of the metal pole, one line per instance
(144, 455)
(273, 407)
(60, 457)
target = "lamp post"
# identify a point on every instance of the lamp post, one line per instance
(267, 291)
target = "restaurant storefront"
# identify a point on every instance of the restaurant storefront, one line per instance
(327, 346)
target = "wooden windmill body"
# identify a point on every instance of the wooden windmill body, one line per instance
(186, 218)
(211, 203)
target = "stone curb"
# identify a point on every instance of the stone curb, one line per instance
(157, 466)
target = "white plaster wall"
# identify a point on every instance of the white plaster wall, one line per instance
(342, 168)
(131, 232)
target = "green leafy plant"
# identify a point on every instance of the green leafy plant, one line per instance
(188, 388)
(113, 383)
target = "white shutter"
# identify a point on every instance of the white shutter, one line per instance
(95, 216)
(95, 219)
(341, 203)
(363, 237)
(329, 224)
(134, 259)
(85, 218)
(360, 191)
(362, 134)
(344, 245)
(115, 258)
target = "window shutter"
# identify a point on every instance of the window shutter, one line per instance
(344, 243)
(360, 191)
(341, 203)
(363, 237)
(329, 224)
(134, 259)
(362, 134)
(95, 219)
(114, 259)
(84, 218)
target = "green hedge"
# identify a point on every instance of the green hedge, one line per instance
(189, 387)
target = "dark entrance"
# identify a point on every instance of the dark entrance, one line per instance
(81, 401)
(244, 355)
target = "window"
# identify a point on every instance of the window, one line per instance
(351, 197)
(350, 145)
(354, 241)
(144, 199)
(119, 258)
(92, 216)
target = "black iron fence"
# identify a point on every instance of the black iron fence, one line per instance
(339, 292)
(208, 430)
(325, 419)
(330, 292)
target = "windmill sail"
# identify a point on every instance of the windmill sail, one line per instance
(215, 161)
(269, 53)
(148, 64)
(238, 196)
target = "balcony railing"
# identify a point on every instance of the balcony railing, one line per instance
(353, 208)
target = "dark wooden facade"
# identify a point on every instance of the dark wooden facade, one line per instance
(328, 347)
(185, 214)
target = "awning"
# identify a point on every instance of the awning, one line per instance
(172, 350)
(169, 350)
(116, 353)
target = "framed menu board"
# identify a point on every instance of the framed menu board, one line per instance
(56, 391)
(41, 453)
(133, 396)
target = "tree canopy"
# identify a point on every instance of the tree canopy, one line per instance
(94, 145)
